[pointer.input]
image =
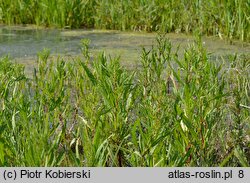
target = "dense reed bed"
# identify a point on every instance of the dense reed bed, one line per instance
(174, 110)
(227, 19)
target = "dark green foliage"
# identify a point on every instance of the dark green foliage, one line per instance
(227, 19)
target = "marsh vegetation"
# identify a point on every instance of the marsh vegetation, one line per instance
(171, 108)
(172, 111)
(227, 19)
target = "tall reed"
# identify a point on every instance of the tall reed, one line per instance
(226, 19)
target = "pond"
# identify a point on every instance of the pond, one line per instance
(23, 42)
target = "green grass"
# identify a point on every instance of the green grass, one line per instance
(223, 18)
(174, 110)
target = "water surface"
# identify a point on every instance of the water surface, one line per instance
(23, 43)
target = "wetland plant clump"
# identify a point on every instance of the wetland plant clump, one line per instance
(172, 111)
(227, 19)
